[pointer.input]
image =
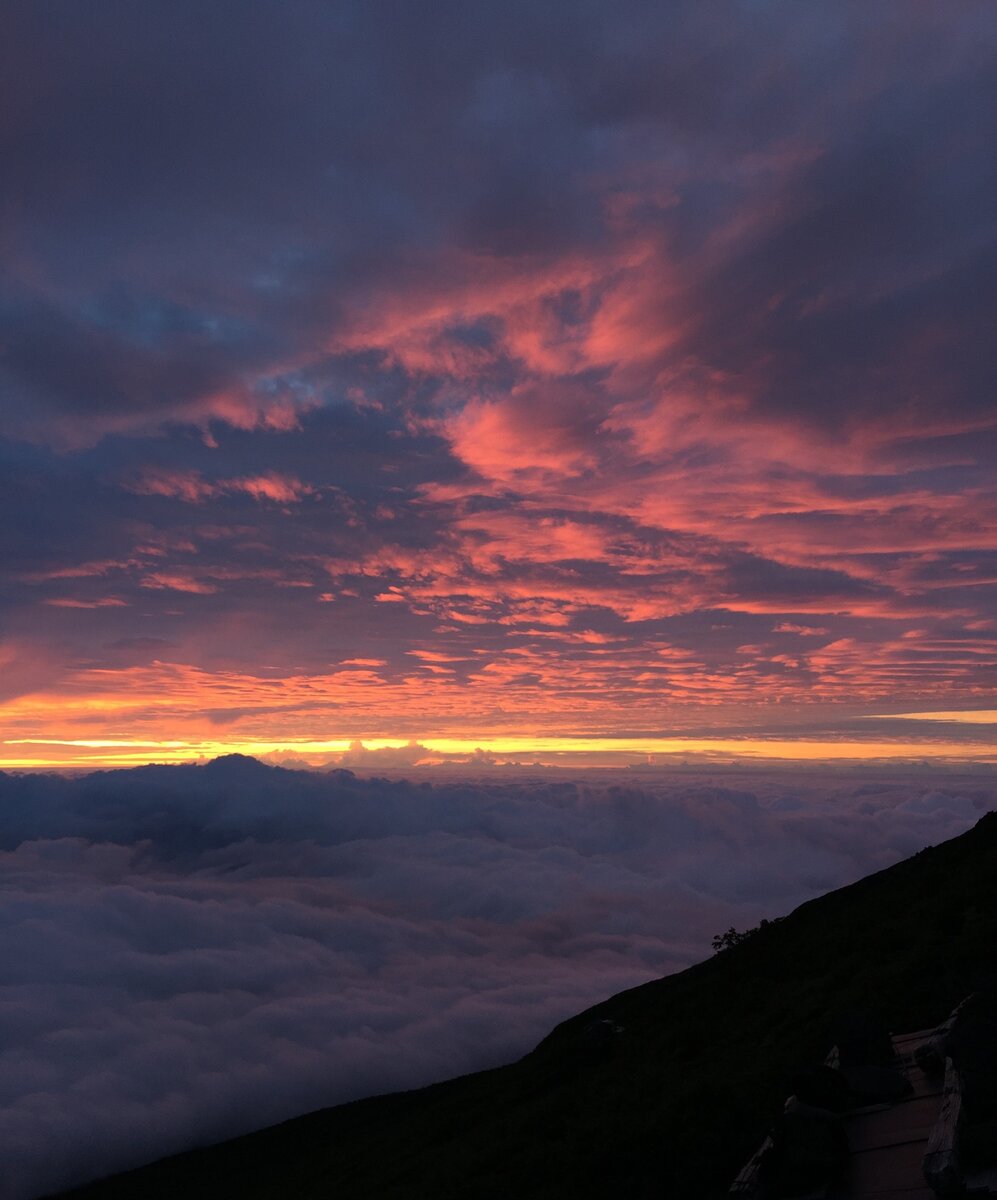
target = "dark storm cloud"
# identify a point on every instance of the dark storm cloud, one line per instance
(194, 952)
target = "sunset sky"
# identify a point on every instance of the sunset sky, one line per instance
(569, 382)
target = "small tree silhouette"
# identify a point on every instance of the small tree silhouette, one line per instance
(724, 941)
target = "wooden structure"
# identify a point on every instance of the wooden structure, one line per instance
(905, 1150)
(888, 1142)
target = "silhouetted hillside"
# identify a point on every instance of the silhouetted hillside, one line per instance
(673, 1103)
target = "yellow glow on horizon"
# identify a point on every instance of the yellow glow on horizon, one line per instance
(968, 716)
(116, 752)
(172, 713)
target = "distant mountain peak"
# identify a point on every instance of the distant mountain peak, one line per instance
(238, 764)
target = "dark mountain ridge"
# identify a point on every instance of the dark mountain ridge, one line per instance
(662, 1090)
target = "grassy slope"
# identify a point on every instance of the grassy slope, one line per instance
(677, 1102)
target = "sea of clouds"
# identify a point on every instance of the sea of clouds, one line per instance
(194, 952)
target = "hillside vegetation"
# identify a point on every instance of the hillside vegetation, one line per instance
(668, 1106)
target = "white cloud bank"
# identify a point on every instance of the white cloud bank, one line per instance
(195, 952)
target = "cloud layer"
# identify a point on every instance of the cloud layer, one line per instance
(195, 952)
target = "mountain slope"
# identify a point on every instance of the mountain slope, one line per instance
(669, 1106)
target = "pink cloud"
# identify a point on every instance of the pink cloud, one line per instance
(178, 581)
(190, 486)
(548, 428)
(193, 488)
(284, 489)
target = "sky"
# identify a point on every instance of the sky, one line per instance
(193, 952)
(497, 382)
